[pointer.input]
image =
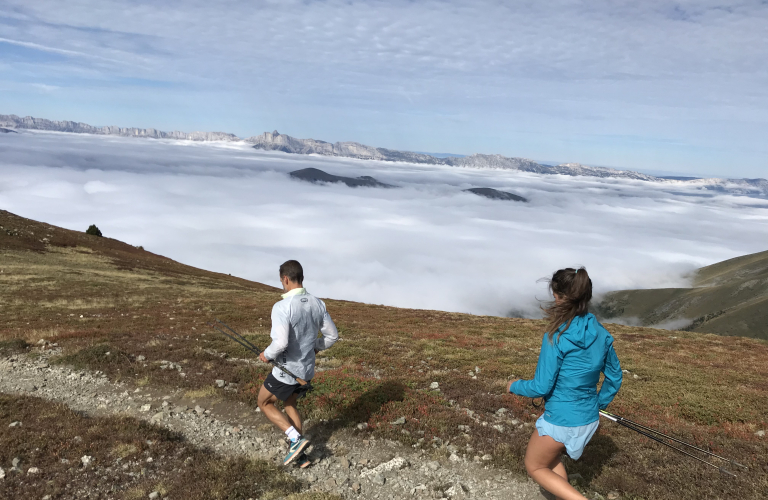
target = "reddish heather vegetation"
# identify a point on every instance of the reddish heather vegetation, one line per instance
(95, 296)
(80, 457)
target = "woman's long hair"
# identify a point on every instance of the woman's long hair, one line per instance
(575, 291)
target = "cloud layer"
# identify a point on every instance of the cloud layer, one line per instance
(233, 209)
(653, 85)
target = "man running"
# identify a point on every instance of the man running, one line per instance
(295, 322)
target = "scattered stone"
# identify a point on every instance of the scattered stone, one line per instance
(486, 458)
(355, 487)
(399, 421)
(2, 473)
(394, 464)
(378, 479)
(760, 434)
(434, 386)
(362, 426)
(33, 470)
(146, 408)
(199, 410)
(454, 458)
(613, 495)
(86, 460)
(15, 462)
(458, 490)
(344, 463)
(330, 483)
(140, 358)
(15, 424)
(154, 495)
(501, 411)
(477, 369)
(158, 417)
(433, 465)
(47, 497)
(220, 383)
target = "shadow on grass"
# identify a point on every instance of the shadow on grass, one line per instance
(361, 410)
(596, 456)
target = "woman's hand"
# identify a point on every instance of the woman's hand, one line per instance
(509, 385)
(263, 358)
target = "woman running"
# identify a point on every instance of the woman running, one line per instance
(574, 350)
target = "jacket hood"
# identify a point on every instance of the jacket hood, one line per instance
(583, 331)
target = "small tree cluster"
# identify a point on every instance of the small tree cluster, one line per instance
(92, 229)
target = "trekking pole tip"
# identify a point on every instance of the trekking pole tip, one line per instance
(724, 471)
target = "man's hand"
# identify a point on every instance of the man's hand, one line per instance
(509, 385)
(263, 358)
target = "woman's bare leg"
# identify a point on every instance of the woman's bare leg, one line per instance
(542, 461)
(560, 470)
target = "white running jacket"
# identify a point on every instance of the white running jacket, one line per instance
(295, 322)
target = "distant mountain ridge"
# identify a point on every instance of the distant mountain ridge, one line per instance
(274, 141)
(726, 298)
(28, 122)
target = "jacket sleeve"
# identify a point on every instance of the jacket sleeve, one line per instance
(329, 331)
(281, 325)
(613, 377)
(550, 360)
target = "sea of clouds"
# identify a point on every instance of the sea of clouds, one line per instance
(232, 209)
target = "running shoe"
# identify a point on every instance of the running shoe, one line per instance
(295, 450)
(303, 461)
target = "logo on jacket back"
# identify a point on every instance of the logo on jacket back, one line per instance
(305, 300)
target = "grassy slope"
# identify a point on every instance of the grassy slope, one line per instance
(53, 439)
(704, 388)
(727, 298)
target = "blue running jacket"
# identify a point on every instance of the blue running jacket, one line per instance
(568, 372)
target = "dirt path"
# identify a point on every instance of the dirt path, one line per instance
(344, 463)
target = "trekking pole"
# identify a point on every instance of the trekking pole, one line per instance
(640, 426)
(248, 345)
(626, 423)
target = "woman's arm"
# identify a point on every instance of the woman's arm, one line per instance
(613, 377)
(550, 360)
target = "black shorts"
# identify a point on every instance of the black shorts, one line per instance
(283, 391)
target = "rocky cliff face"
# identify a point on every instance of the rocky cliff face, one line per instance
(275, 141)
(28, 122)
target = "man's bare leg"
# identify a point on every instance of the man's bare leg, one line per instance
(292, 412)
(542, 461)
(266, 402)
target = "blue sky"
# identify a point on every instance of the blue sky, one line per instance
(655, 86)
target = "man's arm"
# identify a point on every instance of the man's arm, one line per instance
(281, 325)
(329, 331)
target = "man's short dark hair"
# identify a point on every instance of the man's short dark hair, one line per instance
(293, 270)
